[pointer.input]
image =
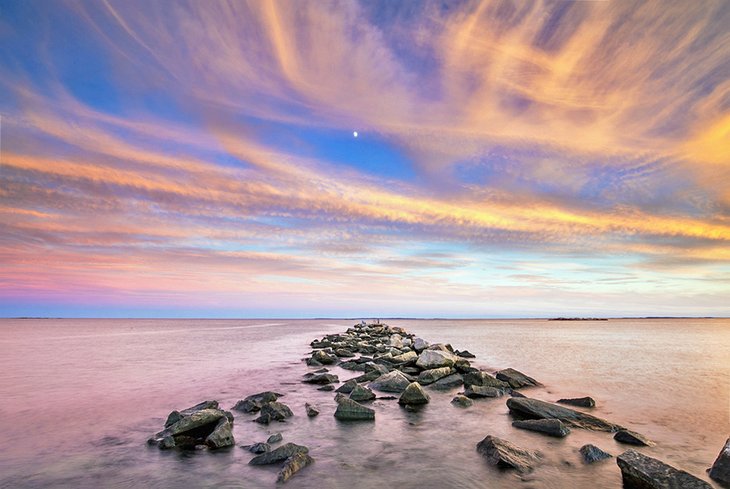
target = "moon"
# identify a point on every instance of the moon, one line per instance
(354, 134)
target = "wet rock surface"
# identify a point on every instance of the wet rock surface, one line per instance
(551, 427)
(720, 470)
(587, 402)
(201, 425)
(642, 472)
(501, 452)
(633, 438)
(592, 453)
(536, 409)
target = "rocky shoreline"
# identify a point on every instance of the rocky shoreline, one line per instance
(388, 363)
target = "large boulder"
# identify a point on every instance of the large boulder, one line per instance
(641, 472)
(587, 402)
(349, 410)
(720, 470)
(294, 464)
(484, 379)
(516, 379)
(176, 416)
(526, 407)
(279, 454)
(432, 375)
(551, 427)
(253, 403)
(419, 344)
(592, 453)
(194, 429)
(361, 394)
(448, 382)
(501, 452)
(394, 381)
(347, 387)
(429, 359)
(414, 395)
(222, 435)
(274, 411)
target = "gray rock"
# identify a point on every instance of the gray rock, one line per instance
(275, 438)
(516, 379)
(463, 366)
(641, 472)
(274, 411)
(429, 359)
(222, 435)
(311, 410)
(324, 358)
(448, 382)
(190, 430)
(361, 394)
(326, 387)
(176, 416)
(484, 379)
(367, 377)
(587, 402)
(501, 452)
(394, 381)
(592, 453)
(465, 354)
(278, 454)
(344, 353)
(720, 470)
(633, 438)
(258, 448)
(320, 379)
(414, 395)
(533, 408)
(477, 391)
(347, 387)
(253, 403)
(552, 427)
(432, 375)
(462, 401)
(408, 357)
(419, 344)
(349, 410)
(293, 464)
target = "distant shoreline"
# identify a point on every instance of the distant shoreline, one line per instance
(383, 318)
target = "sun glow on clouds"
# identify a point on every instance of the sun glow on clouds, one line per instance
(521, 159)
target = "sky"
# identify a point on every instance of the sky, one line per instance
(512, 159)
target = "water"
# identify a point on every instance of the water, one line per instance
(79, 398)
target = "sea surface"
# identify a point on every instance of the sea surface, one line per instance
(79, 398)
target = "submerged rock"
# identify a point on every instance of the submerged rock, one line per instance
(592, 453)
(361, 394)
(429, 359)
(534, 408)
(633, 438)
(275, 438)
(294, 464)
(278, 454)
(414, 395)
(720, 470)
(642, 472)
(349, 410)
(253, 403)
(258, 448)
(552, 427)
(394, 381)
(320, 379)
(326, 388)
(311, 410)
(588, 402)
(501, 452)
(462, 401)
(516, 379)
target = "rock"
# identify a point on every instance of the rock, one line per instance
(361, 394)
(414, 395)
(311, 410)
(465, 354)
(222, 435)
(633, 438)
(344, 353)
(367, 377)
(253, 403)
(278, 454)
(476, 391)
(259, 448)
(462, 401)
(484, 379)
(642, 472)
(326, 387)
(293, 464)
(176, 416)
(432, 375)
(419, 344)
(448, 382)
(516, 379)
(347, 387)
(502, 452)
(463, 366)
(720, 470)
(394, 381)
(533, 408)
(324, 358)
(349, 410)
(410, 356)
(592, 453)
(321, 379)
(552, 427)
(588, 402)
(190, 430)
(275, 438)
(274, 411)
(429, 359)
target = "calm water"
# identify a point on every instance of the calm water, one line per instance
(79, 398)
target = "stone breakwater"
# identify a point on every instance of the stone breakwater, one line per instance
(388, 363)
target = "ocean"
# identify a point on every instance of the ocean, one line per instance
(80, 397)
